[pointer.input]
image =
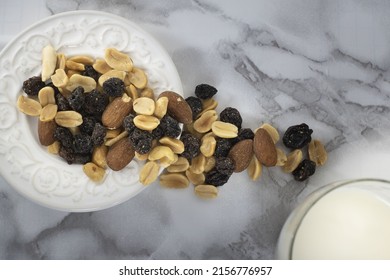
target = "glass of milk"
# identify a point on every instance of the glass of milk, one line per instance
(343, 220)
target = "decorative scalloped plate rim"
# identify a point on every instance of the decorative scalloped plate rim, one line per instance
(26, 165)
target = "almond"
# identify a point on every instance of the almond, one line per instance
(116, 111)
(120, 154)
(264, 148)
(46, 132)
(178, 108)
(241, 153)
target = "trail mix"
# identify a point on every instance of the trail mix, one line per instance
(101, 113)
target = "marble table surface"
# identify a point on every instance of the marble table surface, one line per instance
(284, 62)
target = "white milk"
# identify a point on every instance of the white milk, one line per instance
(350, 222)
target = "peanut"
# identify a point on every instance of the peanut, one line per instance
(144, 106)
(101, 66)
(83, 59)
(68, 118)
(210, 163)
(254, 168)
(48, 112)
(197, 164)
(174, 180)
(208, 104)
(59, 79)
(99, 155)
(72, 65)
(146, 122)
(49, 62)
(195, 179)
(224, 129)
(76, 80)
(138, 78)
(111, 74)
(208, 144)
(94, 172)
(281, 157)
(204, 123)
(180, 165)
(293, 160)
(120, 136)
(29, 106)
(317, 152)
(54, 148)
(176, 145)
(160, 152)
(46, 96)
(206, 191)
(149, 173)
(161, 107)
(118, 60)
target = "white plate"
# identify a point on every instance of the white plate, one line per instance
(24, 163)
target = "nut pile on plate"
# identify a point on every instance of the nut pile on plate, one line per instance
(101, 113)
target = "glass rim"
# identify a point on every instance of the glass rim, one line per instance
(312, 200)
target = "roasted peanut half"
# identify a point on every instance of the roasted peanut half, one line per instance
(176, 145)
(76, 80)
(209, 165)
(29, 106)
(48, 112)
(59, 79)
(208, 104)
(174, 180)
(111, 74)
(132, 92)
(197, 164)
(161, 107)
(317, 152)
(149, 173)
(101, 66)
(46, 96)
(180, 165)
(224, 129)
(146, 122)
(83, 59)
(293, 160)
(49, 62)
(195, 179)
(68, 118)
(281, 157)
(208, 144)
(61, 61)
(254, 169)
(99, 156)
(94, 172)
(118, 60)
(138, 78)
(144, 106)
(73, 65)
(54, 148)
(206, 191)
(147, 92)
(159, 152)
(204, 123)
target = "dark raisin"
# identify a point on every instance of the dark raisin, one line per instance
(64, 136)
(158, 132)
(246, 133)
(95, 102)
(77, 98)
(191, 146)
(224, 165)
(216, 178)
(67, 154)
(141, 140)
(304, 170)
(170, 126)
(128, 123)
(82, 143)
(33, 85)
(98, 134)
(82, 158)
(231, 115)
(62, 102)
(91, 72)
(195, 105)
(88, 125)
(114, 87)
(205, 91)
(222, 147)
(297, 136)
